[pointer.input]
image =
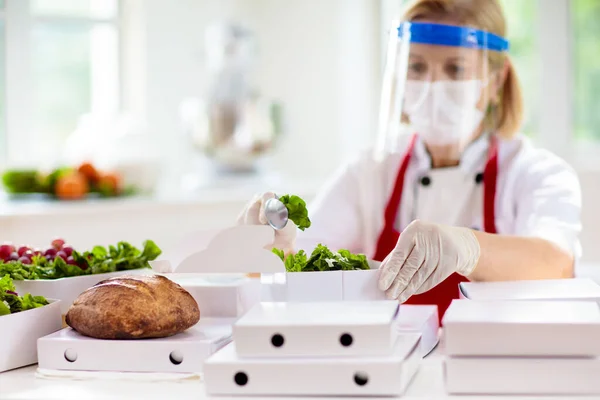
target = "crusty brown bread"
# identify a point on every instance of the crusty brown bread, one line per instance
(133, 307)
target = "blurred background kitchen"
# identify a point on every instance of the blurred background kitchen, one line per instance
(192, 106)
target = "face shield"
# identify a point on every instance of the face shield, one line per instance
(436, 84)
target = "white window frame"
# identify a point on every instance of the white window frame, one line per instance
(556, 125)
(3, 151)
(18, 22)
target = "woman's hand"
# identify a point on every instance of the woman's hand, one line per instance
(425, 255)
(254, 214)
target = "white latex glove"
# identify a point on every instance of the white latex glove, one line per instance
(425, 255)
(254, 214)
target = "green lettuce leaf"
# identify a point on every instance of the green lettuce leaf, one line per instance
(297, 211)
(6, 284)
(99, 252)
(62, 269)
(151, 251)
(17, 271)
(321, 259)
(279, 253)
(293, 262)
(349, 261)
(14, 303)
(4, 309)
(296, 262)
(29, 302)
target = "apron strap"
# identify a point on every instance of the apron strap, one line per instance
(393, 204)
(490, 175)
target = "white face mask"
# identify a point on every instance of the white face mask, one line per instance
(444, 112)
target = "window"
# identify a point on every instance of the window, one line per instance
(521, 17)
(585, 19)
(66, 60)
(2, 85)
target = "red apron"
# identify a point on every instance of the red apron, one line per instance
(442, 294)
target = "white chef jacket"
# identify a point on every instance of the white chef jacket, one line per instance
(537, 194)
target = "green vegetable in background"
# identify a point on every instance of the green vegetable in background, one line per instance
(323, 259)
(22, 181)
(49, 181)
(11, 302)
(297, 211)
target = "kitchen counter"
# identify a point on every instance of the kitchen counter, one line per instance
(23, 384)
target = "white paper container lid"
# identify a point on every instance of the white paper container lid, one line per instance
(545, 328)
(355, 313)
(220, 295)
(317, 329)
(548, 289)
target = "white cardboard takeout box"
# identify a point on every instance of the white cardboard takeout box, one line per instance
(421, 319)
(522, 376)
(181, 353)
(19, 333)
(244, 249)
(220, 296)
(225, 373)
(583, 289)
(317, 329)
(518, 328)
(68, 289)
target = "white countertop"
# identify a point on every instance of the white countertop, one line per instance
(23, 384)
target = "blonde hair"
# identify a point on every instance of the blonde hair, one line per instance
(505, 116)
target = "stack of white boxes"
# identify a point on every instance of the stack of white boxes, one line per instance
(316, 348)
(536, 347)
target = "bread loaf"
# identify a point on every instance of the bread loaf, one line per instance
(133, 307)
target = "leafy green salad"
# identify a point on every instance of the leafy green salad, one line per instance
(321, 258)
(62, 261)
(11, 302)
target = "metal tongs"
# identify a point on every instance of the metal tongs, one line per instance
(276, 213)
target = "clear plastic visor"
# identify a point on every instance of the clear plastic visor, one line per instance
(437, 83)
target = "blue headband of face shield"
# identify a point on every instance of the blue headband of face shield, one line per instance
(451, 35)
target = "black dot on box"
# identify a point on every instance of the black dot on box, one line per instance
(361, 379)
(241, 379)
(277, 340)
(70, 355)
(176, 357)
(346, 340)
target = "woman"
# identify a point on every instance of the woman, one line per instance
(473, 199)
